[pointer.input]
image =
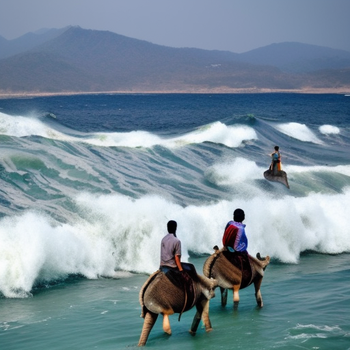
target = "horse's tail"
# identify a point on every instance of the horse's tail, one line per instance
(209, 263)
(143, 290)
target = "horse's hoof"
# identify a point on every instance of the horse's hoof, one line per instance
(192, 333)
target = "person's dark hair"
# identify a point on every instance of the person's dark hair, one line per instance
(172, 225)
(276, 148)
(238, 215)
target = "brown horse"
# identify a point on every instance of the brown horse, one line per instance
(235, 271)
(168, 293)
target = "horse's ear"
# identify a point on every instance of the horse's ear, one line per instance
(216, 247)
(261, 258)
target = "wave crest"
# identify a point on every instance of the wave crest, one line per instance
(299, 131)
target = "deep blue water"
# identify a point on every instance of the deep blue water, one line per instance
(172, 113)
(88, 183)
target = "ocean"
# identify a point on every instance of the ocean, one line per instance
(88, 183)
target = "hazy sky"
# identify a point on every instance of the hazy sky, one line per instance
(233, 25)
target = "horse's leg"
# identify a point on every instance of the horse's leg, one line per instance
(257, 284)
(195, 322)
(205, 315)
(150, 320)
(223, 296)
(166, 324)
(236, 295)
(202, 313)
(197, 317)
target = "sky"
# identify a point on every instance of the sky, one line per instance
(231, 25)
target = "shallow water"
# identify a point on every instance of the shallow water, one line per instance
(306, 306)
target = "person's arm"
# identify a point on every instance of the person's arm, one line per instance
(178, 262)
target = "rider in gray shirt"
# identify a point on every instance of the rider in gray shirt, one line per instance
(170, 249)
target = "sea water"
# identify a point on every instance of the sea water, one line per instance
(88, 183)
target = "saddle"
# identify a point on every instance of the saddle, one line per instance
(184, 280)
(242, 262)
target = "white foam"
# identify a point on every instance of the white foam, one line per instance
(340, 169)
(298, 131)
(329, 129)
(241, 170)
(323, 328)
(117, 233)
(231, 136)
(237, 171)
(216, 132)
(26, 126)
(131, 139)
(33, 248)
(311, 331)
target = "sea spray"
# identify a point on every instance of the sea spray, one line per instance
(36, 249)
(119, 233)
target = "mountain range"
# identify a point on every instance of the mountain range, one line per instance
(78, 60)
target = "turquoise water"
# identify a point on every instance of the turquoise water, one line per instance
(87, 184)
(306, 306)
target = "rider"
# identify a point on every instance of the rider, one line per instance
(234, 238)
(170, 249)
(276, 160)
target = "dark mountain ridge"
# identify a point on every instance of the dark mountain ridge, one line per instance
(80, 60)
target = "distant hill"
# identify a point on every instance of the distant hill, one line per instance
(26, 42)
(79, 60)
(297, 57)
